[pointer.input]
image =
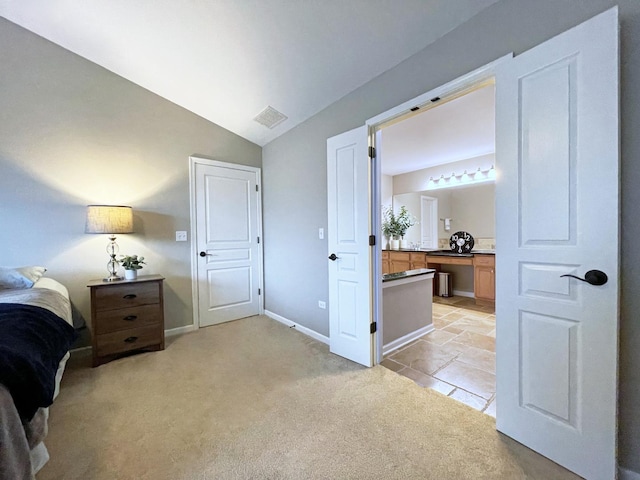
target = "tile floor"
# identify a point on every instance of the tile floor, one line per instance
(458, 358)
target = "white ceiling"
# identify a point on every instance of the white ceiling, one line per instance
(457, 130)
(227, 60)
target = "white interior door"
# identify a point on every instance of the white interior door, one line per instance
(227, 241)
(350, 294)
(557, 205)
(428, 222)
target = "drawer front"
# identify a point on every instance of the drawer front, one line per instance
(385, 255)
(126, 340)
(450, 260)
(399, 256)
(113, 320)
(417, 257)
(127, 295)
(488, 260)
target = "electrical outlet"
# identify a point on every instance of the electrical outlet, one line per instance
(181, 236)
(321, 233)
(322, 304)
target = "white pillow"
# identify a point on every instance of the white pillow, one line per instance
(23, 277)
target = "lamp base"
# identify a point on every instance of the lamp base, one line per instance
(112, 278)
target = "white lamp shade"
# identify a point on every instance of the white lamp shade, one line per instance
(109, 219)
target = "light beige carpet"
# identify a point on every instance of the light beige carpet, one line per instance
(253, 399)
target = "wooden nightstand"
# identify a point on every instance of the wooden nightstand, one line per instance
(126, 315)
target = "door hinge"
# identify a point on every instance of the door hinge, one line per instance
(258, 239)
(372, 240)
(374, 327)
(259, 291)
(257, 189)
(372, 152)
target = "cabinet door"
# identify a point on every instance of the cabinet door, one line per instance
(485, 282)
(418, 260)
(399, 266)
(399, 262)
(385, 266)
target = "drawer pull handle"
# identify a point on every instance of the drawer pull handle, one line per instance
(130, 339)
(130, 296)
(130, 318)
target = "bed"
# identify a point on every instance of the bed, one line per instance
(36, 332)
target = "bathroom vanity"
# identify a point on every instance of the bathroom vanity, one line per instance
(482, 261)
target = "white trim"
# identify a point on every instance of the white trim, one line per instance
(461, 83)
(193, 160)
(78, 350)
(302, 329)
(408, 338)
(463, 293)
(180, 330)
(624, 474)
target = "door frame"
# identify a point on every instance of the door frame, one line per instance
(435, 224)
(193, 161)
(448, 91)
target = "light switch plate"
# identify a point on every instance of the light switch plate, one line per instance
(181, 236)
(322, 304)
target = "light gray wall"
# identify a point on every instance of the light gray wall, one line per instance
(295, 167)
(72, 134)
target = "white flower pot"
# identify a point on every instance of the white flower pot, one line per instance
(130, 274)
(404, 243)
(395, 244)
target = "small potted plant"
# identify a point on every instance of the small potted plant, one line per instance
(395, 226)
(405, 221)
(131, 264)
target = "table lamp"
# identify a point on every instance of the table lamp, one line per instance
(110, 219)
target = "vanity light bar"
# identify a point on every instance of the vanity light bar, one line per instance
(479, 176)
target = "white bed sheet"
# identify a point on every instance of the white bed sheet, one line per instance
(40, 454)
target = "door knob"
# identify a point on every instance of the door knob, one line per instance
(333, 257)
(593, 277)
(203, 254)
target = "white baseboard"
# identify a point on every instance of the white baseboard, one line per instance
(180, 330)
(624, 474)
(410, 337)
(463, 293)
(79, 350)
(302, 329)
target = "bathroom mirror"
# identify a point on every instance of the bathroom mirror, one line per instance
(470, 208)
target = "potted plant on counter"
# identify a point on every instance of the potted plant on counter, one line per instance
(405, 221)
(394, 227)
(390, 227)
(131, 264)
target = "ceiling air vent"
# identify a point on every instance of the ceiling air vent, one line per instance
(270, 117)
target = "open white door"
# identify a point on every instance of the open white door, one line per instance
(350, 293)
(557, 206)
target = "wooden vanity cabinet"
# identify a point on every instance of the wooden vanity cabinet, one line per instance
(394, 262)
(399, 262)
(484, 281)
(418, 260)
(385, 262)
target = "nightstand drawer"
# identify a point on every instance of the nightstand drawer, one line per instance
(127, 295)
(124, 318)
(126, 340)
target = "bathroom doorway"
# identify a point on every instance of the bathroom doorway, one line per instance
(447, 153)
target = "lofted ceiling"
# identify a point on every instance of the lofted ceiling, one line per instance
(457, 130)
(227, 60)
